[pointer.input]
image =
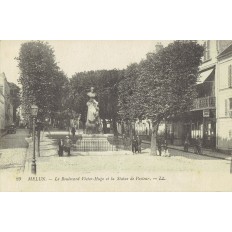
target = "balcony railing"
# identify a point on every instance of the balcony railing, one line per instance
(204, 103)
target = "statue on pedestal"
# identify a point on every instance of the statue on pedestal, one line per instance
(93, 122)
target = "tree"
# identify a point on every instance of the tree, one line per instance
(61, 94)
(80, 84)
(126, 91)
(163, 84)
(105, 83)
(40, 77)
(108, 96)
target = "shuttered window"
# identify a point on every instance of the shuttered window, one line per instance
(207, 50)
(226, 108)
(230, 76)
(230, 104)
(230, 133)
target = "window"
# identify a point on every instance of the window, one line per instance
(196, 130)
(207, 50)
(230, 104)
(230, 76)
(230, 133)
(228, 107)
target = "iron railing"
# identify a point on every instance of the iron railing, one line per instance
(86, 145)
(204, 103)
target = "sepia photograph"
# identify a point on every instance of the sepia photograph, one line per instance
(116, 115)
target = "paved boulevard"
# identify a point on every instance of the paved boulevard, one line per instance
(13, 153)
(13, 150)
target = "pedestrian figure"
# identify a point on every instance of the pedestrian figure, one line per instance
(124, 141)
(61, 147)
(165, 150)
(198, 146)
(159, 146)
(165, 146)
(127, 143)
(134, 145)
(73, 130)
(186, 143)
(139, 142)
(67, 145)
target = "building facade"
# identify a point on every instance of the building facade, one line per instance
(5, 103)
(224, 100)
(2, 111)
(203, 113)
(203, 119)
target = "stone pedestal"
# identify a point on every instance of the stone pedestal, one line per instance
(95, 142)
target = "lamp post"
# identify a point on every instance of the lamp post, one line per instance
(34, 111)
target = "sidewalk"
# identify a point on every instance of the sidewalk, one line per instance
(205, 152)
(49, 153)
(3, 132)
(49, 158)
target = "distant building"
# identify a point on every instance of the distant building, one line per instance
(6, 115)
(21, 116)
(2, 111)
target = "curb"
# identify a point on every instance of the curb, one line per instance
(26, 168)
(215, 157)
(3, 134)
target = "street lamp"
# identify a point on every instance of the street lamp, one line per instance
(34, 111)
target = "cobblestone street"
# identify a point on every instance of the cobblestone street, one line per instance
(191, 171)
(13, 149)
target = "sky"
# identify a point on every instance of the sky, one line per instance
(79, 56)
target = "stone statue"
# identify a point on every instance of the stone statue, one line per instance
(92, 120)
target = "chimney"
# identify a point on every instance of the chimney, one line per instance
(158, 47)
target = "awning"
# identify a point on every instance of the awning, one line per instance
(204, 75)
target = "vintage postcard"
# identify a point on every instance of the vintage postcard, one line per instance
(120, 116)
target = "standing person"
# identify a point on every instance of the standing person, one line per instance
(73, 130)
(159, 146)
(134, 145)
(165, 146)
(124, 141)
(61, 147)
(198, 145)
(186, 143)
(67, 145)
(139, 142)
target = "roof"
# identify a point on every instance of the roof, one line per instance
(204, 75)
(225, 53)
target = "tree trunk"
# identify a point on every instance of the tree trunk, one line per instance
(115, 130)
(104, 126)
(166, 130)
(131, 129)
(155, 127)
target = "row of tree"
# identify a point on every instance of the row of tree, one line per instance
(60, 98)
(161, 87)
(42, 81)
(158, 88)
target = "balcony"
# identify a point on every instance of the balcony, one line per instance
(204, 103)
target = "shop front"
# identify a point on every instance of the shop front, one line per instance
(203, 124)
